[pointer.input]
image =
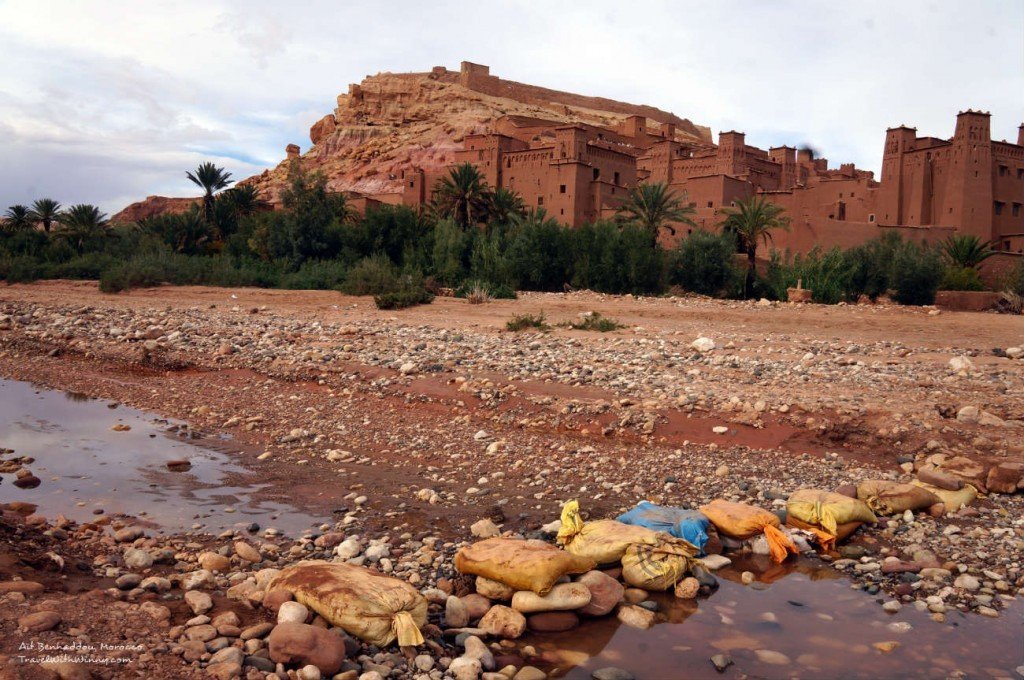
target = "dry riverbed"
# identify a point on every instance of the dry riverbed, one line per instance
(395, 432)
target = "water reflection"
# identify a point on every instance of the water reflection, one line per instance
(84, 466)
(800, 619)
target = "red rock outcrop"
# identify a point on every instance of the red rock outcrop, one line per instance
(394, 121)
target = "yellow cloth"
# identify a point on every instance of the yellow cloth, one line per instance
(604, 540)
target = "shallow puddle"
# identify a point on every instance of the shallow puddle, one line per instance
(808, 623)
(84, 465)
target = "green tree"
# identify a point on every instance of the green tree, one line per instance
(504, 207)
(462, 196)
(752, 221)
(45, 210)
(703, 262)
(210, 179)
(448, 252)
(82, 225)
(186, 233)
(654, 207)
(18, 218)
(966, 251)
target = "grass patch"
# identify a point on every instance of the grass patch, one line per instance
(595, 321)
(522, 322)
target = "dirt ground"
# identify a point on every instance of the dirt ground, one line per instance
(441, 417)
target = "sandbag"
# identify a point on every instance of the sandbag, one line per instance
(824, 511)
(953, 500)
(827, 541)
(742, 521)
(375, 608)
(521, 564)
(689, 525)
(603, 540)
(659, 566)
(892, 498)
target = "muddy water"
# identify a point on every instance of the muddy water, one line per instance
(807, 612)
(86, 466)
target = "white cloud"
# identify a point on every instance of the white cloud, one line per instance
(109, 102)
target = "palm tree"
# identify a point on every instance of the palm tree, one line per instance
(966, 251)
(45, 210)
(210, 179)
(654, 207)
(462, 196)
(18, 218)
(505, 206)
(753, 220)
(245, 199)
(82, 223)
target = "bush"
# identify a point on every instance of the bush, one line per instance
(594, 321)
(828, 275)
(21, 269)
(129, 275)
(374, 275)
(406, 297)
(703, 263)
(916, 274)
(961, 278)
(521, 322)
(315, 275)
(1015, 283)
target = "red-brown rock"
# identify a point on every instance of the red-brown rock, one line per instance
(302, 644)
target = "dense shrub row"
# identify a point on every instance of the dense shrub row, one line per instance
(402, 258)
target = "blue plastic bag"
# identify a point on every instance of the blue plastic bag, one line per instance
(688, 525)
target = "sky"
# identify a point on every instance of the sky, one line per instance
(109, 101)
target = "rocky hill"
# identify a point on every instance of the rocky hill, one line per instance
(393, 121)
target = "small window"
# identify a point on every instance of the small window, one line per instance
(871, 217)
(615, 179)
(411, 183)
(711, 204)
(562, 211)
(597, 173)
(1016, 210)
(1020, 173)
(540, 200)
(1003, 170)
(999, 207)
(561, 188)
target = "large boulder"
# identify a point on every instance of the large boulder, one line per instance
(605, 593)
(504, 622)
(302, 644)
(563, 597)
(1005, 478)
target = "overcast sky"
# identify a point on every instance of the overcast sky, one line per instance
(109, 101)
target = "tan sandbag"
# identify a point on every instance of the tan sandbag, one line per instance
(375, 608)
(953, 500)
(742, 521)
(604, 540)
(843, 531)
(825, 511)
(892, 498)
(523, 565)
(660, 566)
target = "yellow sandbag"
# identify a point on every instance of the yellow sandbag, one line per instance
(603, 540)
(826, 509)
(523, 565)
(892, 498)
(953, 500)
(660, 566)
(377, 609)
(742, 521)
